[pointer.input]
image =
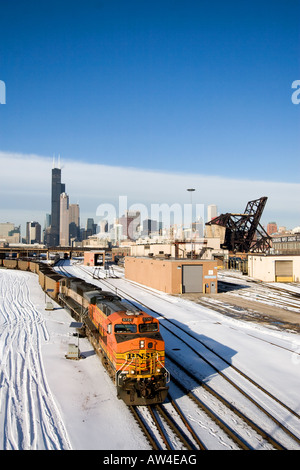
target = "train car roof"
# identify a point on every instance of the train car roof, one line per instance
(77, 283)
(101, 295)
(118, 306)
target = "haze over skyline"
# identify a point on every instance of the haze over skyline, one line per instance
(94, 185)
(146, 99)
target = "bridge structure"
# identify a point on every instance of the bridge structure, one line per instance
(29, 251)
(243, 232)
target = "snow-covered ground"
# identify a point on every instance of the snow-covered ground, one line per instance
(50, 402)
(46, 400)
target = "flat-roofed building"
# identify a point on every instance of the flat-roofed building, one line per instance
(286, 244)
(94, 258)
(173, 276)
(274, 268)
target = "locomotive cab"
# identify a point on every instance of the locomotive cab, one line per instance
(141, 375)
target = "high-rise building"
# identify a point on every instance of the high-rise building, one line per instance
(212, 212)
(130, 223)
(57, 188)
(9, 233)
(198, 228)
(271, 228)
(47, 221)
(91, 229)
(74, 224)
(33, 232)
(103, 225)
(149, 226)
(64, 237)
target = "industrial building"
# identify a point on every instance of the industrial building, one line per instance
(173, 276)
(274, 268)
(206, 248)
(286, 244)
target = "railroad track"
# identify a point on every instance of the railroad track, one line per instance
(60, 268)
(166, 429)
(283, 297)
(237, 384)
(223, 412)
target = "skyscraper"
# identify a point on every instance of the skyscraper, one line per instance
(64, 220)
(272, 228)
(33, 232)
(212, 212)
(149, 226)
(57, 188)
(74, 226)
(130, 223)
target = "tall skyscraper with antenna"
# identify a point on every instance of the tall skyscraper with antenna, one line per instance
(57, 188)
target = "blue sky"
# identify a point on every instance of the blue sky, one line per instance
(195, 87)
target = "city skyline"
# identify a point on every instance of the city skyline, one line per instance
(148, 99)
(94, 186)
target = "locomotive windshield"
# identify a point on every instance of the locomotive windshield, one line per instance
(146, 327)
(125, 328)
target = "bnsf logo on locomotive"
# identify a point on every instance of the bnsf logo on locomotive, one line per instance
(146, 355)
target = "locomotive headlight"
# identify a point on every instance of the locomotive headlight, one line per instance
(132, 372)
(158, 370)
(142, 344)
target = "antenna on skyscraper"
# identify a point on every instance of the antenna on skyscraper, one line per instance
(53, 165)
(59, 160)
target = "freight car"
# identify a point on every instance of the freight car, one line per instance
(127, 339)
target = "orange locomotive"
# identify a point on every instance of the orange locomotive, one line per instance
(127, 339)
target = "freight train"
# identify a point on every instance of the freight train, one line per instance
(127, 339)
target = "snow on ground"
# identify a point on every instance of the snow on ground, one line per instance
(50, 402)
(46, 400)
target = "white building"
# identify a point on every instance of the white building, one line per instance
(117, 233)
(274, 268)
(33, 232)
(212, 212)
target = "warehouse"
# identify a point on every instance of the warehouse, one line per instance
(274, 268)
(173, 276)
(286, 244)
